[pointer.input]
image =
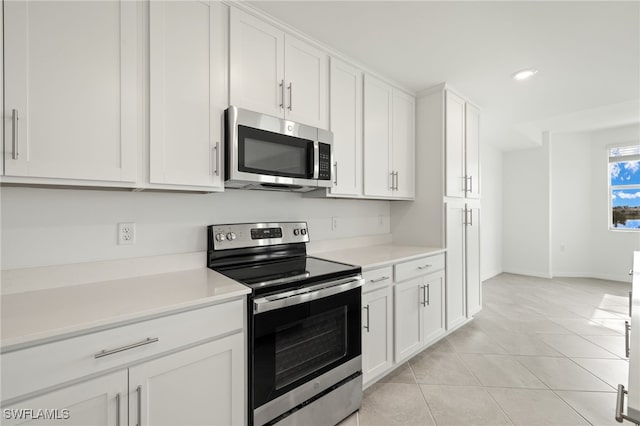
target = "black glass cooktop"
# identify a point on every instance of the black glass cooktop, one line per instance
(278, 275)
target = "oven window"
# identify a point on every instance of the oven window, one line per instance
(308, 345)
(274, 154)
(274, 157)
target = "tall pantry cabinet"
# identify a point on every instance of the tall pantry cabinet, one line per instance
(446, 212)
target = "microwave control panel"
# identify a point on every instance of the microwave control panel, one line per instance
(324, 162)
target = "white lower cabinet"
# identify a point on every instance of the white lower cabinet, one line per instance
(419, 315)
(377, 333)
(183, 375)
(97, 402)
(203, 385)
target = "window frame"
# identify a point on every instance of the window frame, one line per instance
(610, 188)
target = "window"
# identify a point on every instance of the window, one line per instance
(624, 188)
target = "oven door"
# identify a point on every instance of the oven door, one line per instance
(302, 349)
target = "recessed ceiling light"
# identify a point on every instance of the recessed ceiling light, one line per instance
(524, 74)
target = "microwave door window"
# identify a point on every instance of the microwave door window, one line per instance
(275, 158)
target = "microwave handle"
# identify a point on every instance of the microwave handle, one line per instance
(316, 159)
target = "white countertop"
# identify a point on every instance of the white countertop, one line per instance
(371, 257)
(37, 316)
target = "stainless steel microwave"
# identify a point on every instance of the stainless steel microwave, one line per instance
(266, 152)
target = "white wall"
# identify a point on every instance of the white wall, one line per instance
(565, 180)
(491, 216)
(526, 211)
(571, 195)
(58, 226)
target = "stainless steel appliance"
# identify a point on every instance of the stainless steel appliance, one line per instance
(265, 152)
(305, 364)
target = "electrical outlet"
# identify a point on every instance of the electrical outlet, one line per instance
(334, 223)
(126, 233)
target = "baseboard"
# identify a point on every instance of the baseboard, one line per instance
(491, 275)
(528, 273)
(607, 277)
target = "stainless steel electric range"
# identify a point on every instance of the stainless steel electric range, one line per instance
(304, 325)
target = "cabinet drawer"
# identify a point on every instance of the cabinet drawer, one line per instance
(377, 278)
(39, 367)
(418, 267)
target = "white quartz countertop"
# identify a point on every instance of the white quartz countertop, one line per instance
(43, 315)
(371, 257)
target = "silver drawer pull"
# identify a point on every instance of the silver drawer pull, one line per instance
(627, 344)
(377, 280)
(620, 417)
(106, 352)
(367, 326)
(427, 266)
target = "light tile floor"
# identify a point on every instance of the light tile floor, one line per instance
(541, 352)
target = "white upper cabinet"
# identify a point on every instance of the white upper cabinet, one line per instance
(256, 64)
(472, 148)
(378, 102)
(389, 141)
(454, 135)
(187, 93)
(346, 125)
(306, 74)
(72, 89)
(275, 73)
(462, 145)
(403, 156)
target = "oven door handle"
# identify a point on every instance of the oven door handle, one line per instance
(269, 303)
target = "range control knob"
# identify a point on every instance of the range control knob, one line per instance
(220, 237)
(303, 231)
(296, 232)
(231, 236)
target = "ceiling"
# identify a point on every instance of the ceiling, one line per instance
(587, 54)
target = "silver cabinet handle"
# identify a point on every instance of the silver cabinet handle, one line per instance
(377, 280)
(106, 352)
(470, 187)
(627, 348)
(427, 266)
(424, 295)
(393, 174)
(281, 85)
(428, 296)
(335, 177)
(14, 133)
(367, 326)
(290, 87)
(630, 302)
(471, 217)
(118, 409)
(216, 150)
(139, 392)
(397, 180)
(630, 271)
(620, 416)
(464, 218)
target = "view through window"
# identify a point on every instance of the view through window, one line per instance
(624, 188)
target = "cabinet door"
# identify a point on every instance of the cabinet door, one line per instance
(472, 258)
(97, 402)
(377, 333)
(346, 125)
(454, 145)
(472, 150)
(434, 325)
(256, 64)
(403, 146)
(408, 314)
(204, 385)
(187, 92)
(377, 137)
(455, 269)
(307, 79)
(72, 83)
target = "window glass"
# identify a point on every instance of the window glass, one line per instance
(624, 188)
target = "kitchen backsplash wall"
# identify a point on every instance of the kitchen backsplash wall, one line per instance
(42, 227)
